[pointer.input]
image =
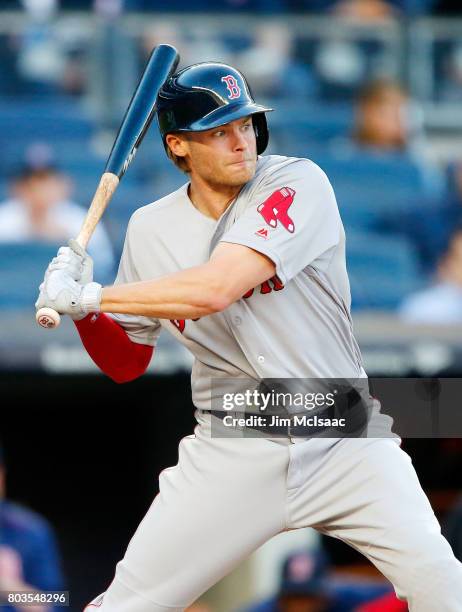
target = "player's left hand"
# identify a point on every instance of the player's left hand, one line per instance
(62, 293)
(75, 260)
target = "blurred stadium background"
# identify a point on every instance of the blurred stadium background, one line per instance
(371, 90)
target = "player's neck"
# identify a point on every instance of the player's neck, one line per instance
(212, 201)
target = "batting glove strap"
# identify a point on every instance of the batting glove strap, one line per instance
(90, 298)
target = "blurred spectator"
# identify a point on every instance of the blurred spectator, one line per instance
(434, 228)
(40, 10)
(441, 303)
(303, 586)
(113, 53)
(387, 120)
(163, 31)
(271, 66)
(40, 209)
(381, 118)
(342, 65)
(29, 557)
(307, 587)
(345, 63)
(388, 126)
(108, 9)
(365, 10)
(197, 45)
(41, 57)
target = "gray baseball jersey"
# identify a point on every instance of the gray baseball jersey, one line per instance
(296, 325)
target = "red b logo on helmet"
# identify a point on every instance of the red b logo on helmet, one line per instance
(232, 85)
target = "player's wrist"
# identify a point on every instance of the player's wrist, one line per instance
(90, 298)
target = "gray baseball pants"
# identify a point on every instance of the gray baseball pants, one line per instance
(226, 497)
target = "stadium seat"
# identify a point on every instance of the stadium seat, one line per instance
(378, 191)
(35, 119)
(299, 126)
(33, 127)
(382, 269)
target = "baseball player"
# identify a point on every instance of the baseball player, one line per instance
(245, 265)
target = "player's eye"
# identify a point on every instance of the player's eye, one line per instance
(246, 126)
(218, 133)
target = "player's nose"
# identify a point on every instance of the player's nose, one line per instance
(239, 141)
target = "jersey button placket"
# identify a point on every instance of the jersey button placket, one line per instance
(261, 359)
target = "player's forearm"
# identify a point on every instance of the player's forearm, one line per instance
(188, 294)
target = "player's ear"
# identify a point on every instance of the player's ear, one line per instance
(177, 150)
(177, 145)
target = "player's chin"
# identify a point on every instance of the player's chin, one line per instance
(241, 173)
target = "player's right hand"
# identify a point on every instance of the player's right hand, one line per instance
(75, 261)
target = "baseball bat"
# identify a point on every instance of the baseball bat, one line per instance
(137, 119)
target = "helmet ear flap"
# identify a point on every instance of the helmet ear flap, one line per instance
(260, 126)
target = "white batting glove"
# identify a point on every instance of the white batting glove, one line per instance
(76, 263)
(75, 260)
(62, 293)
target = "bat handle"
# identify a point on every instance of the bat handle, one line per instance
(47, 317)
(107, 185)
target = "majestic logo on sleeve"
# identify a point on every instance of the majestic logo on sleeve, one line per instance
(275, 208)
(262, 232)
(234, 91)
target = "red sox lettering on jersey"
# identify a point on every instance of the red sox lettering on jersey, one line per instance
(275, 209)
(273, 284)
(234, 91)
